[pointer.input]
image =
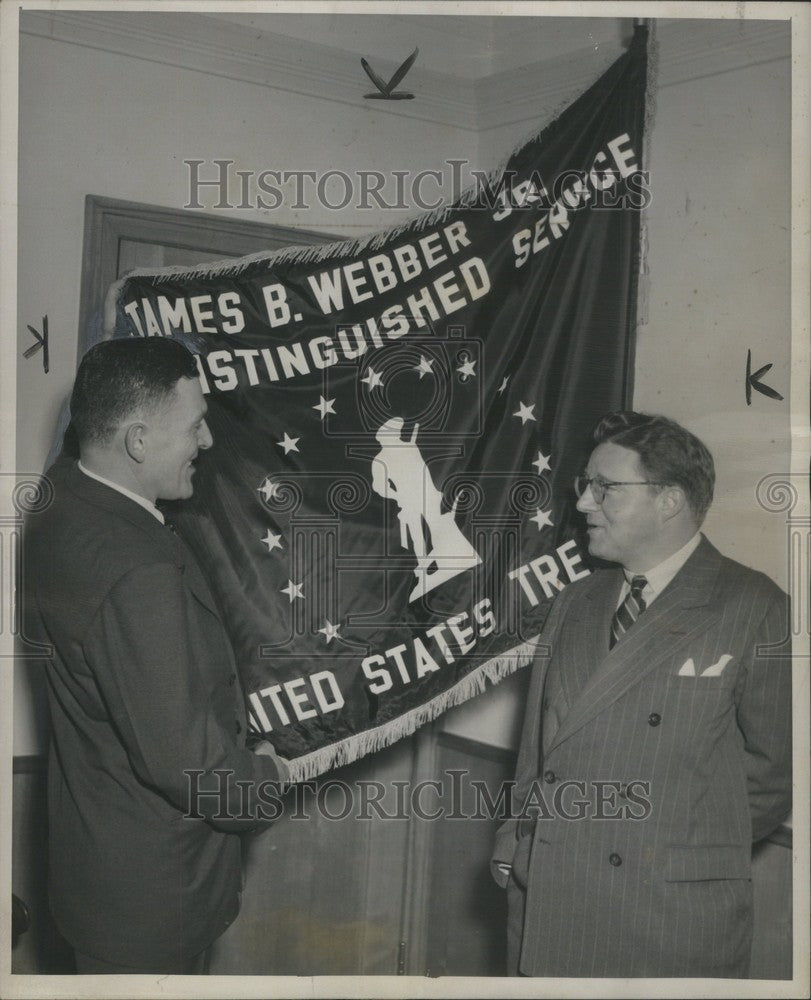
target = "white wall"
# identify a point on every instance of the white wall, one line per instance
(719, 286)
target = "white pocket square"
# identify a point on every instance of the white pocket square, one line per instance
(688, 668)
(716, 668)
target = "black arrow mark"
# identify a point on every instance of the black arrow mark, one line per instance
(386, 90)
(42, 342)
(752, 381)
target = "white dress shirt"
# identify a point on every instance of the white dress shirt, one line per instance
(660, 576)
(153, 510)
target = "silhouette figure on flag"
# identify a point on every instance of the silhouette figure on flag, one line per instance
(400, 473)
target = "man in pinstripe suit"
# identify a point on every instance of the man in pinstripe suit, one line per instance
(658, 676)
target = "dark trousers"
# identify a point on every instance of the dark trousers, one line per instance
(197, 965)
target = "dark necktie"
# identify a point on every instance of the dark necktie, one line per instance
(630, 609)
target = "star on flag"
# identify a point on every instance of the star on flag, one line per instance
(289, 444)
(466, 369)
(268, 490)
(293, 590)
(272, 541)
(524, 411)
(542, 462)
(330, 630)
(424, 367)
(543, 518)
(503, 385)
(324, 406)
(372, 379)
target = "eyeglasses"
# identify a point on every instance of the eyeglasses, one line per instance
(600, 486)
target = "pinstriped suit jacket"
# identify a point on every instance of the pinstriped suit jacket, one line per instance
(668, 894)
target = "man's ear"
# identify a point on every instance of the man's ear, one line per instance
(135, 443)
(672, 501)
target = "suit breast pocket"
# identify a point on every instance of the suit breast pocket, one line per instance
(694, 686)
(697, 702)
(707, 667)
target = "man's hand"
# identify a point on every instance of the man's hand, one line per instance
(266, 749)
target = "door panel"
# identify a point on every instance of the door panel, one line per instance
(466, 911)
(120, 235)
(137, 253)
(324, 895)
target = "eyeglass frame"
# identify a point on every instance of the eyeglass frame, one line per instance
(606, 484)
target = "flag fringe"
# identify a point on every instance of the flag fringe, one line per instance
(317, 252)
(352, 748)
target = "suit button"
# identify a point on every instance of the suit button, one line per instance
(549, 777)
(238, 726)
(615, 860)
(654, 719)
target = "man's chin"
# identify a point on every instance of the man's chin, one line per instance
(188, 485)
(181, 493)
(596, 549)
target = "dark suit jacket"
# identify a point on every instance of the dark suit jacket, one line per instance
(142, 686)
(689, 702)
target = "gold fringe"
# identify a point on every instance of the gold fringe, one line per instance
(354, 747)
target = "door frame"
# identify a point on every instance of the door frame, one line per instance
(109, 220)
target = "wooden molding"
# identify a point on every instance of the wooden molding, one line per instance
(689, 49)
(226, 49)
(30, 764)
(681, 52)
(476, 749)
(109, 220)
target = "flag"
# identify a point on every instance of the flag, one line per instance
(387, 509)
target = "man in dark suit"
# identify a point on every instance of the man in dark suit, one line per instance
(142, 683)
(657, 740)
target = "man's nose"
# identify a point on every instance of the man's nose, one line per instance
(587, 502)
(205, 440)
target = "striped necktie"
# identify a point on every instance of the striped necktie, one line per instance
(630, 609)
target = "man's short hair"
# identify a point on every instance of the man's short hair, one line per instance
(118, 378)
(668, 453)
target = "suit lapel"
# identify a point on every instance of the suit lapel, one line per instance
(100, 495)
(193, 575)
(681, 611)
(590, 636)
